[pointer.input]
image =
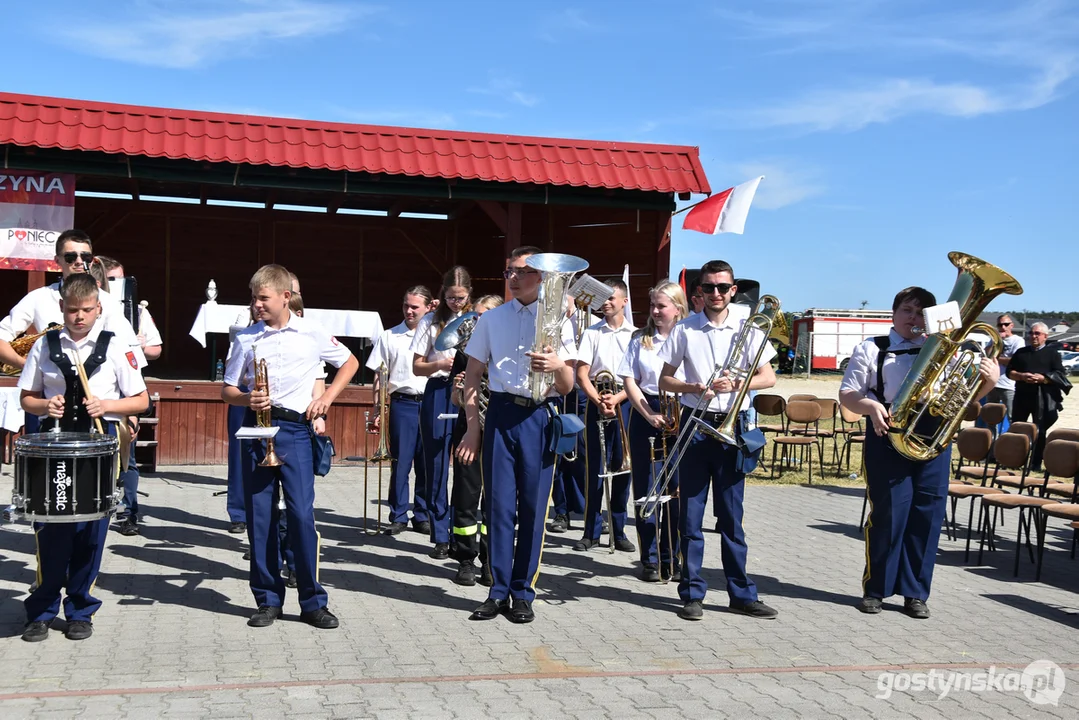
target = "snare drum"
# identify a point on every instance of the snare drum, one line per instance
(65, 476)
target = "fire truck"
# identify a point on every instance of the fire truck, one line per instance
(833, 334)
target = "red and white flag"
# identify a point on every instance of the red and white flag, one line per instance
(723, 212)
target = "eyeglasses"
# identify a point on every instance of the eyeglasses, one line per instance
(70, 257)
(457, 299)
(1038, 332)
(721, 288)
(519, 272)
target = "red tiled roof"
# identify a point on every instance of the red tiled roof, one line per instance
(217, 137)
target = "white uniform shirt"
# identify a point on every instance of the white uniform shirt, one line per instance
(644, 364)
(861, 375)
(500, 340)
(423, 344)
(294, 356)
(148, 328)
(603, 347)
(117, 375)
(1011, 344)
(697, 346)
(41, 307)
(394, 348)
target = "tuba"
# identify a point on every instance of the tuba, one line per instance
(263, 418)
(558, 271)
(944, 378)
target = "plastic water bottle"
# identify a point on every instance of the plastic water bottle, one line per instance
(219, 371)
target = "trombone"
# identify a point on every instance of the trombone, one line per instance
(740, 368)
(382, 452)
(605, 385)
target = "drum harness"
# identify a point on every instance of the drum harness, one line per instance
(73, 395)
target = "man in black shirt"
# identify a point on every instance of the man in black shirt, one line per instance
(1040, 382)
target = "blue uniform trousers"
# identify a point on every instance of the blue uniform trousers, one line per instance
(710, 462)
(130, 480)
(68, 554)
(297, 478)
(594, 496)
(568, 492)
(234, 497)
(407, 451)
(436, 454)
(644, 471)
(518, 473)
(907, 502)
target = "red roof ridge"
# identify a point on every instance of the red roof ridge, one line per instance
(236, 138)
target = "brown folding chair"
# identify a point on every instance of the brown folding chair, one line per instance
(1011, 451)
(1060, 459)
(801, 396)
(974, 445)
(800, 415)
(770, 405)
(1069, 434)
(853, 432)
(1028, 429)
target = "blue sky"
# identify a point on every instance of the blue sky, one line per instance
(889, 132)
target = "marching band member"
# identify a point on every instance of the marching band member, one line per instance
(435, 366)
(602, 348)
(468, 522)
(69, 554)
(294, 350)
(41, 308)
(907, 498)
(567, 495)
(234, 493)
(640, 370)
(698, 344)
(405, 389)
(518, 466)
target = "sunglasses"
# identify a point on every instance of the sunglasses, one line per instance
(519, 272)
(721, 288)
(70, 257)
(1004, 324)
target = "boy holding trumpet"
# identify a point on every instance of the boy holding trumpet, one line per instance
(99, 389)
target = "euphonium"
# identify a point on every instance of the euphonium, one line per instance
(944, 378)
(263, 418)
(558, 271)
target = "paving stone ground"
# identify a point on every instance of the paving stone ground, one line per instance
(171, 639)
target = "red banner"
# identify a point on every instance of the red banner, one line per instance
(34, 209)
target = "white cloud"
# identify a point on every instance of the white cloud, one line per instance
(784, 183)
(156, 34)
(569, 21)
(507, 89)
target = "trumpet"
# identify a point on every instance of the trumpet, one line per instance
(740, 368)
(605, 385)
(263, 418)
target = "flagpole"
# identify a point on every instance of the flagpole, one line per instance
(689, 207)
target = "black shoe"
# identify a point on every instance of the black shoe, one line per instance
(322, 618)
(585, 544)
(78, 630)
(559, 525)
(395, 528)
(441, 551)
(869, 605)
(490, 609)
(422, 526)
(718, 530)
(916, 608)
(237, 528)
(650, 573)
(466, 573)
(486, 578)
(666, 573)
(290, 579)
(756, 609)
(33, 586)
(692, 610)
(128, 528)
(624, 545)
(605, 527)
(36, 631)
(522, 612)
(247, 554)
(265, 616)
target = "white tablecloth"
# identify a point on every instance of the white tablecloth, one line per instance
(215, 318)
(11, 412)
